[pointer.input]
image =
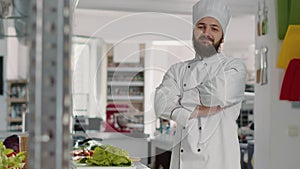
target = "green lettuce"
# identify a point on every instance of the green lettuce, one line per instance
(13, 161)
(107, 155)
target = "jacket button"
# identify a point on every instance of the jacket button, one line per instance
(184, 85)
(189, 66)
(200, 128)
(198, 150)
(181, 150)
(183, 128)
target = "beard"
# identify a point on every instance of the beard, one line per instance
(205, 50)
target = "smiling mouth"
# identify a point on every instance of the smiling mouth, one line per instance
(205, 41)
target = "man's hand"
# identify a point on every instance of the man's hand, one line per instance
(204, 111)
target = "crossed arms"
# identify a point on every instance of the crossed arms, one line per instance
(217, 93)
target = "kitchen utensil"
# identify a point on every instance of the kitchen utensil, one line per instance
(264, 64)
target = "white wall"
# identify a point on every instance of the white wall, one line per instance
(17, 58)
(3, 103)
(240, 42)
(89, 77)
(15, 67)
(119, 26)
(274, 149)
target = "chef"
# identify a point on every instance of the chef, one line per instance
(203, 96)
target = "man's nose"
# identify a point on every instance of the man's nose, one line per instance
(206, 31)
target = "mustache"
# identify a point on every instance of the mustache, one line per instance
(204, 37)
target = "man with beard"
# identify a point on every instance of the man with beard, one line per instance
(203, 96)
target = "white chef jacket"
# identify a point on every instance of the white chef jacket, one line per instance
(208, 142)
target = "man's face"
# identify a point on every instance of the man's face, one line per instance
(207, 36)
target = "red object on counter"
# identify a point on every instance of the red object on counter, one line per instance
(290, 89)
(112, 110)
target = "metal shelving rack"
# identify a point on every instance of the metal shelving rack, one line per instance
(125, 81)
(49, 41)
(125, 86)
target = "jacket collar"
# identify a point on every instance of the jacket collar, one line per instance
(210, 59)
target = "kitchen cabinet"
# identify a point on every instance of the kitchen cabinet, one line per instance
(17, 103)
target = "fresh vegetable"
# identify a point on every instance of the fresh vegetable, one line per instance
(82, 153)
(10, 159)
(107, 155)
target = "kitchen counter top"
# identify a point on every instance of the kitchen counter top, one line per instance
(110, 135)
(136, 144)
(163, 141)
(138, 165)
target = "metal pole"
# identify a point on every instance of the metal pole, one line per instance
(49, 85)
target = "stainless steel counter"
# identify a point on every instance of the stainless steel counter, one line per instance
(163, 141)
(110, 135)
(137, 144)
(138, 165)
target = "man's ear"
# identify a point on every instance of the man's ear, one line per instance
(221, 44)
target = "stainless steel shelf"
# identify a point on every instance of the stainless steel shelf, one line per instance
(125, 97)
(124, 83)
(125, 69)
(18, 100)
(12, 120)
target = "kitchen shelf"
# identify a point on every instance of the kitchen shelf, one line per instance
(125, 69)
(125, 85)
(18, 100)
(17, 103)
(15, 120)
(126, 101)
(249, 95)
(129, 83)
(125, 97)
(16, 128)
(18, 81)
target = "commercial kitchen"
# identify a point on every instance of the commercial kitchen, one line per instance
(82, 73)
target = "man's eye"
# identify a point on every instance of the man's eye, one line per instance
(215, 29)
(200, 26)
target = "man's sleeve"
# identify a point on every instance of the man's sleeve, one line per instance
(167, 100)
(227, 88)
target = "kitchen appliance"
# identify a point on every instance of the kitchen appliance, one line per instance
(116, 119)
(83, 123)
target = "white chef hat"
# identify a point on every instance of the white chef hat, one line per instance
(213, 8)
